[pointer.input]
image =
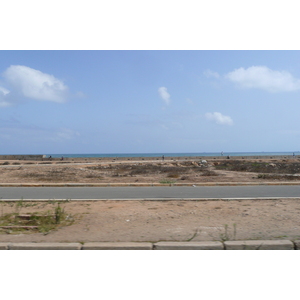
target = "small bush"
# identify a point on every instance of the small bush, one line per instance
(32, 222)
(94, 176)
(277, 177)
(173, 175)
(58, 214)
(209, 173)
(166, 181)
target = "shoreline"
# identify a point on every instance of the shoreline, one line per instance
(165, 157)
(144, 158)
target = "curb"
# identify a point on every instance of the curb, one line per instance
(44, 246)
(4, 246)
(203, 245)
(188, 246)
(117, 246)
(259, 245)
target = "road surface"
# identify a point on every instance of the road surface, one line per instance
(126, 193)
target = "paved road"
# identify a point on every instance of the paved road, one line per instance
(148, 192)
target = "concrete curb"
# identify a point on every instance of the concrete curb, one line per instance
(4, 246)
(117, 246)
(259, 245)
(44, 246)
(297, 244)
(203, 245)
(188, 246)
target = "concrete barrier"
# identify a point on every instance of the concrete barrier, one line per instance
(188, 246)
(45, 246)
(117, 246)
(259, 245)
(297, 244)
(4, 246)
(203, 245)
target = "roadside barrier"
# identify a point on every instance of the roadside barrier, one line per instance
(162, 245)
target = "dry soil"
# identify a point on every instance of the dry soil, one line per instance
(158, 220)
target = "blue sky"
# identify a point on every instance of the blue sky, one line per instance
(149, 101)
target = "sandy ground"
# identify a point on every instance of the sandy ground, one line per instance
(133, 170)
(168, 221)
(154, 220)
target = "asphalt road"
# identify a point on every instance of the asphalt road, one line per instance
(103, 193)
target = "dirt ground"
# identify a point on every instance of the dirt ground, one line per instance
(154, 221)
(159, 220)
(150, 170)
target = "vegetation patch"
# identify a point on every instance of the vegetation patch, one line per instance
(167, 181)
(209, 173)
(278, 177)
(259, 167)
(173, 175)
(150, 169)
(51, 175)
(44, 222)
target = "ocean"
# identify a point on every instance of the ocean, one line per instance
(202, 154)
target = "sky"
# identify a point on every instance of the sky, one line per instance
(139, 101)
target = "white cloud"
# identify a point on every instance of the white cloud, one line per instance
(4, 93)
(219, 118)
(261, 77)
(164, 95)
(209, 74)
(36, 85)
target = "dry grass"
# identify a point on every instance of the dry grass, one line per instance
(209, 173)
(38, 221)
(189, 171)
(50, 175)
(283, 167)
(278, 177)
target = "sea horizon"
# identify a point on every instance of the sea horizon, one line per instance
(165, 154)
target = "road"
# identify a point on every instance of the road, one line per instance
(104, 193)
